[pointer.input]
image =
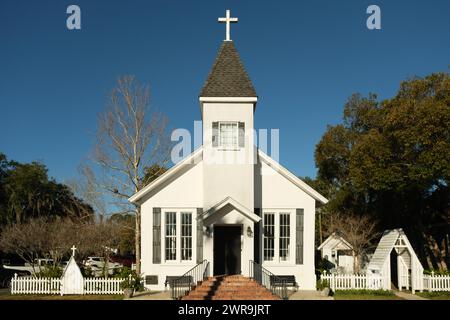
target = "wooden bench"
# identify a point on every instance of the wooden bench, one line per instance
(185, 281)
(289, 280)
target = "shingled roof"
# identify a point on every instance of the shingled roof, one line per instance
(228, 77)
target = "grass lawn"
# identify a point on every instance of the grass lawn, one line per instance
(365, 295)
(435, 295)
(59, 297)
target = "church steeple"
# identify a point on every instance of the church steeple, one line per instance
(228, 77)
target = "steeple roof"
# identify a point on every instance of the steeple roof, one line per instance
(228, 77)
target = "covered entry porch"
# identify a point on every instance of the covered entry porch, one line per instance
(229, 237)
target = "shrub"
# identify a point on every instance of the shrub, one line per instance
(123, 272)
(133, 281)
(50, 272)
(365, 292)
(434, 294)
(437, 272)
(87, 272)
(322, 284)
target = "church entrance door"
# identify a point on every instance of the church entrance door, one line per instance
(227, 250)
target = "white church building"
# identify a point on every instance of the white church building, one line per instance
(228, 202)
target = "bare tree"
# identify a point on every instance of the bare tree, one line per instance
(86, 187)
(28, 240)
(358, 230)
(130, 138)
(53, 238)
(40, 238)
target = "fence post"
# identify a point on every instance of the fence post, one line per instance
(14, 284)
(432, 281)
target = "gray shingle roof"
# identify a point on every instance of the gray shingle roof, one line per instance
(228, 77)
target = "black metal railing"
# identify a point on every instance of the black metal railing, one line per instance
(184, 284)
(264, 277)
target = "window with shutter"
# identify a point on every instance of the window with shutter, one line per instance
(215, 136)
(299, 236)
(199, 235)
(241, 134)
(156, 235)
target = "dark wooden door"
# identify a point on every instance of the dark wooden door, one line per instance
(227, 250)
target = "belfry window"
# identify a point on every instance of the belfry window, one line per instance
(228, 135)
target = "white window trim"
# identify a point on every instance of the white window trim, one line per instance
(219, 142)
(178, 260)
(276, 259)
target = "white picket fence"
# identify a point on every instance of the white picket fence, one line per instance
(376, 282)
(102, 286)
(34, 285)
(353, 281)
(436, 282)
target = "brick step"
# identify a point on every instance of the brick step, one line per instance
(229, 294)
(231, 298)
(236, 287)
(227, 281)
(234, 284)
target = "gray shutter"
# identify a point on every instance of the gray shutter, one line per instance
(199, 235)
(215, 134)
(241, 134)
(299, 236)
(156, 235)
(257, 240)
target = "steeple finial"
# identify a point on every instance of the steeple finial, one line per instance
(228, 20)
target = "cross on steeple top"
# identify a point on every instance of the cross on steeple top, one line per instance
(228, 20)
(73, 250)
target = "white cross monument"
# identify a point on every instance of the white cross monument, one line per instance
(73, 250)
(228, 20)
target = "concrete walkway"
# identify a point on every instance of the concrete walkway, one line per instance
(408, 296)
(151, 295)
(308, 295)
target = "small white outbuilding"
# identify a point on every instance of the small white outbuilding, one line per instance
(338, 252)
(72, 281)
(409, 270)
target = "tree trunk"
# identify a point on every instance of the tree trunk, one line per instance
(138, 240)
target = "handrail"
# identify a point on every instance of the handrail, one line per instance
(184, 284)
(266, 278)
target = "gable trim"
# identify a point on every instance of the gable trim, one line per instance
(229, 200)
(337, 237)
(291, 177)
(165, 176)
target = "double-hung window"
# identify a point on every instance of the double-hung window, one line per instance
(277, 236)
(228, 135)
(178, 235)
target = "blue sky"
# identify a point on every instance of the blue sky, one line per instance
(305, 59)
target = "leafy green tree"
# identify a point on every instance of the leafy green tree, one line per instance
(27, 192)
(390, 159)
